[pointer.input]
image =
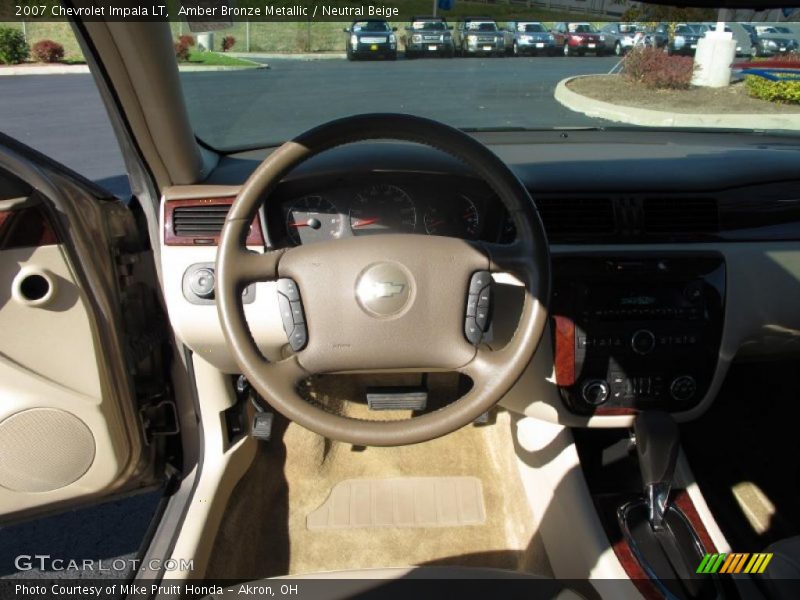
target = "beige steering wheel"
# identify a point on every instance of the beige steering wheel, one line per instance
(421, 328)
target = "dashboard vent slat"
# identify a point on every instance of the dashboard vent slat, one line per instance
(681, 215)
(205, 219)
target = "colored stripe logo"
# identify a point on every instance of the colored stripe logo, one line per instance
(737, 562)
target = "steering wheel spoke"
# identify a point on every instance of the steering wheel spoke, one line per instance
(249, 266)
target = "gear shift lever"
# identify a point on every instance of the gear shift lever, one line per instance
(657, 445)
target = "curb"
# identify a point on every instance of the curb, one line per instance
(278, 55)
(657, 118)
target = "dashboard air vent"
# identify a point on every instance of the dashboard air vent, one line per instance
(572, 217)
(680, 215)
(199, 220)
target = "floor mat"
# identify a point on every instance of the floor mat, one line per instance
(401, 502)
(265, 533)
(745, 454)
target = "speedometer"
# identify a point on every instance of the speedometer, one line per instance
(312, 219)
(459, 219)
(383, 208)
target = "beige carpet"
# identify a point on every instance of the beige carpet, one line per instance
(264, 532)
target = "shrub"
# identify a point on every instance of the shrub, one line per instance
(186, 40)
(13, 48)
(655, 69)
(182, 51)
(228, 42)
(782, 92)
(47, 51)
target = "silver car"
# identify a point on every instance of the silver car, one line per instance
(621, 37)
(528, 37)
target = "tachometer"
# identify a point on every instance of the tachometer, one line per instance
(458, 218)
(383, 208)
(312, 219)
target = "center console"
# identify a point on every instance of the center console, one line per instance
(636, 333)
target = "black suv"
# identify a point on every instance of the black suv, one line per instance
(428, 35)
(371, 37)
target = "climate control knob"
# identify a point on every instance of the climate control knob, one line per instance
(595, 391)
(683, 388)
(643, 341)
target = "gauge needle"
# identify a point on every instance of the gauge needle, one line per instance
(436, 223)
(295, 224)
(365, 222)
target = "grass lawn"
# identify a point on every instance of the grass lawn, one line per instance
(216, 59)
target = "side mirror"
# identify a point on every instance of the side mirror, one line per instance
(394, 28)
(449, 28)
(346, 30)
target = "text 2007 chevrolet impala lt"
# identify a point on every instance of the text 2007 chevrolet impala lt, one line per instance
(364, 335)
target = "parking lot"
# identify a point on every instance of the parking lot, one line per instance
(271, 105)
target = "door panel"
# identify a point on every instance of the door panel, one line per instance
(70, 431)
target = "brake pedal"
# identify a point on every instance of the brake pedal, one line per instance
(386, 398)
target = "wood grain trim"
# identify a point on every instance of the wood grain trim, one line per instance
(564, 328)
(614, 411)
(607, 506)
(683, 501)
(254, 238)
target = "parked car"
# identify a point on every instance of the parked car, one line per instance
(773, 42)
(745, 42)
(621, 37)
(371, 37)
(657, 36)
(528, 37)
(428, 35)
(683, 40)
(478, 35)
(578, 38)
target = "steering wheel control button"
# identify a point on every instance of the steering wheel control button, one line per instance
(384, 289)
(479, 282)
(478, 306)
(595, 392)
(683, 388)
(292, 314)
(643, 342)
(288, 288)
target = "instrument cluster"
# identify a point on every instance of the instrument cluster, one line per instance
(381, 207)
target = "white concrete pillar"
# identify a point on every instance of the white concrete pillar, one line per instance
(716, 51)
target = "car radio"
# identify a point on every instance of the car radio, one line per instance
(636, 333)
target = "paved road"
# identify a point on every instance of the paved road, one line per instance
(62, 115)
(249, 108)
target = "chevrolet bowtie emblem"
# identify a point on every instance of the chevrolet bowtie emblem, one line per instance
(386, 289)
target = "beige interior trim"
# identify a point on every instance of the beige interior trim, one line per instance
(222, 467)
(573, 536)
(149, 90)
(60, 382)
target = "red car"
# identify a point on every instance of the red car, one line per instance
(579, 38)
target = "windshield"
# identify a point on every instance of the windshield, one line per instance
(280, 79)
(531, 27)
(428, 25)
(482, 26)
(370, 26)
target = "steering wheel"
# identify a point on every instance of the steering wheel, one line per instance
(418, 324)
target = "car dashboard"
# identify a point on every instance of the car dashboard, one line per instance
(673, 253)
(323, 209)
